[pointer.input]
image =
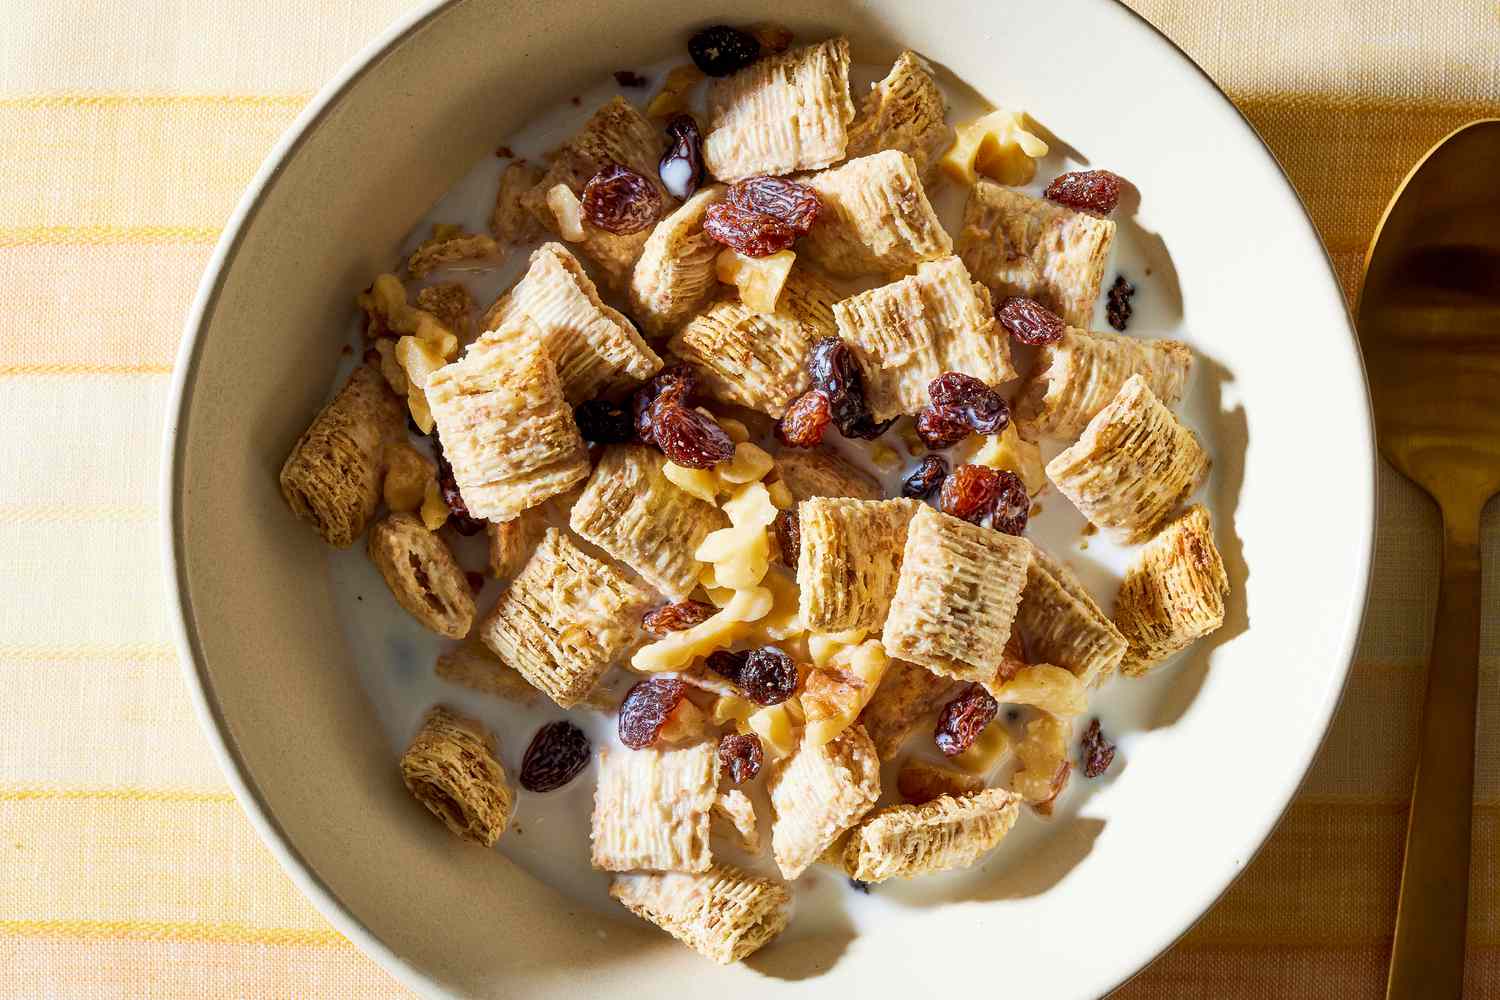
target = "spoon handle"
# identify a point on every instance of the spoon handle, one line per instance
(1427, 959)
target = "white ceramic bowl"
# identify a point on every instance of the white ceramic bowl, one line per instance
(1223, 747)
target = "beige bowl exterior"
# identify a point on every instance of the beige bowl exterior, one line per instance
(296, 734)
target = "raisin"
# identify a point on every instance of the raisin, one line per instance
(1119, 308)
(859, 886)
(963, 719)
(983, 409)
(558, 751)
(804, 422)
(677, 617)
(1096, 191)
(1098, 752)
(681, 166)
(675, 384)
(970, 492)
(926, 478)
(788, 537)
(688, 438)
(835, 372)
(629, 78)
(645, 709)
(785, 200)
(604, 422)
(1012, 505)
(458, 511)
(1030, 322)
(727, 663)
(941, 427)
(720, 50)
(620, 201)
(865, 427)
(740, 756)
(768, 676)
(751, 233)
(475, 580)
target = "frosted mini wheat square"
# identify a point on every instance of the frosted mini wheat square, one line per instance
(822, 472)
(1173, 593)
(1019, 245)
(904, 111)
(957, 596)
(505, 426)
(780, 114)
(1076, 377)
(819, 792)
(1062, 625)
(723, 913)
(675, 276)
(911, 331)
(907, 694)
(565, 619)
(451, 768)
(900, 841)
(849, 561)
(875, 218)
(651, 809)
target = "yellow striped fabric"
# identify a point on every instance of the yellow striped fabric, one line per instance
(126, 869)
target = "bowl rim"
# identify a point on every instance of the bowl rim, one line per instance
(200, 687)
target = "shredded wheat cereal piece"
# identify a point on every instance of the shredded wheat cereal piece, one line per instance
(1133, 466)
(595, 348)
(911, 331)
(453, 306)
(1019, 245)
(506, 429)
(957, 596)
(1173, 593)
(734, 813)
(784, 113)
(565, 619)
(448, 245)
(1044, 765)
(920, 782)
(616, 133)
(755, 359)
(823, 472)
(1063, 625)
(849, 561)
(904, 111)
(900, 841)
(451, 768)
(819, 792)
(473, 666)
(332, 478)
(723, 914)
(876, 218)
(907, 694)
(423, 576)
(511, 542)
(651, 809)
(510, 222)
(675, 276)
(1076, 377)
(630, 510)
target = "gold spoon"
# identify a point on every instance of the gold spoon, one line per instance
(1429, 324)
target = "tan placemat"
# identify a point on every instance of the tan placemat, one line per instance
(126, 869)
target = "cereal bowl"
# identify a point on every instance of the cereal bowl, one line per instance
(1213, 746)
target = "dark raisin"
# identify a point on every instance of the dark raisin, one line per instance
(458, 511)
(768, 676)
(1098, 752)
(795, 204)
(926, 478)
(751, 233)
(721, 50)
(740, 756)
(645, 709)
(681, 166)
(1096, 191)
(505, 152)
(859, 886)
(676, 617)
(629, 78)
(963, 719)
(836, 373)
(674, 384)
(865, 427)
(804, 422)
(476, 580)
(727, 663)
(982, 408)
(558, 751)
(604, 422)
(1119, 308)
(621, 201)
(942, 427)
(788, 537)
(689, 438)
(1030, 322)
(970, 492)
(1012, 505)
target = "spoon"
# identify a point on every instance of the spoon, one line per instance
(1429, 325)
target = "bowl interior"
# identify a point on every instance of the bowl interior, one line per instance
(1228, 746)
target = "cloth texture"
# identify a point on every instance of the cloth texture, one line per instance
(126, 867)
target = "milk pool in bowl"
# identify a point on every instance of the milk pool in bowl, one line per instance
(549, 835)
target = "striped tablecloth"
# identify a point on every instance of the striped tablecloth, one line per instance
(127, 870)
